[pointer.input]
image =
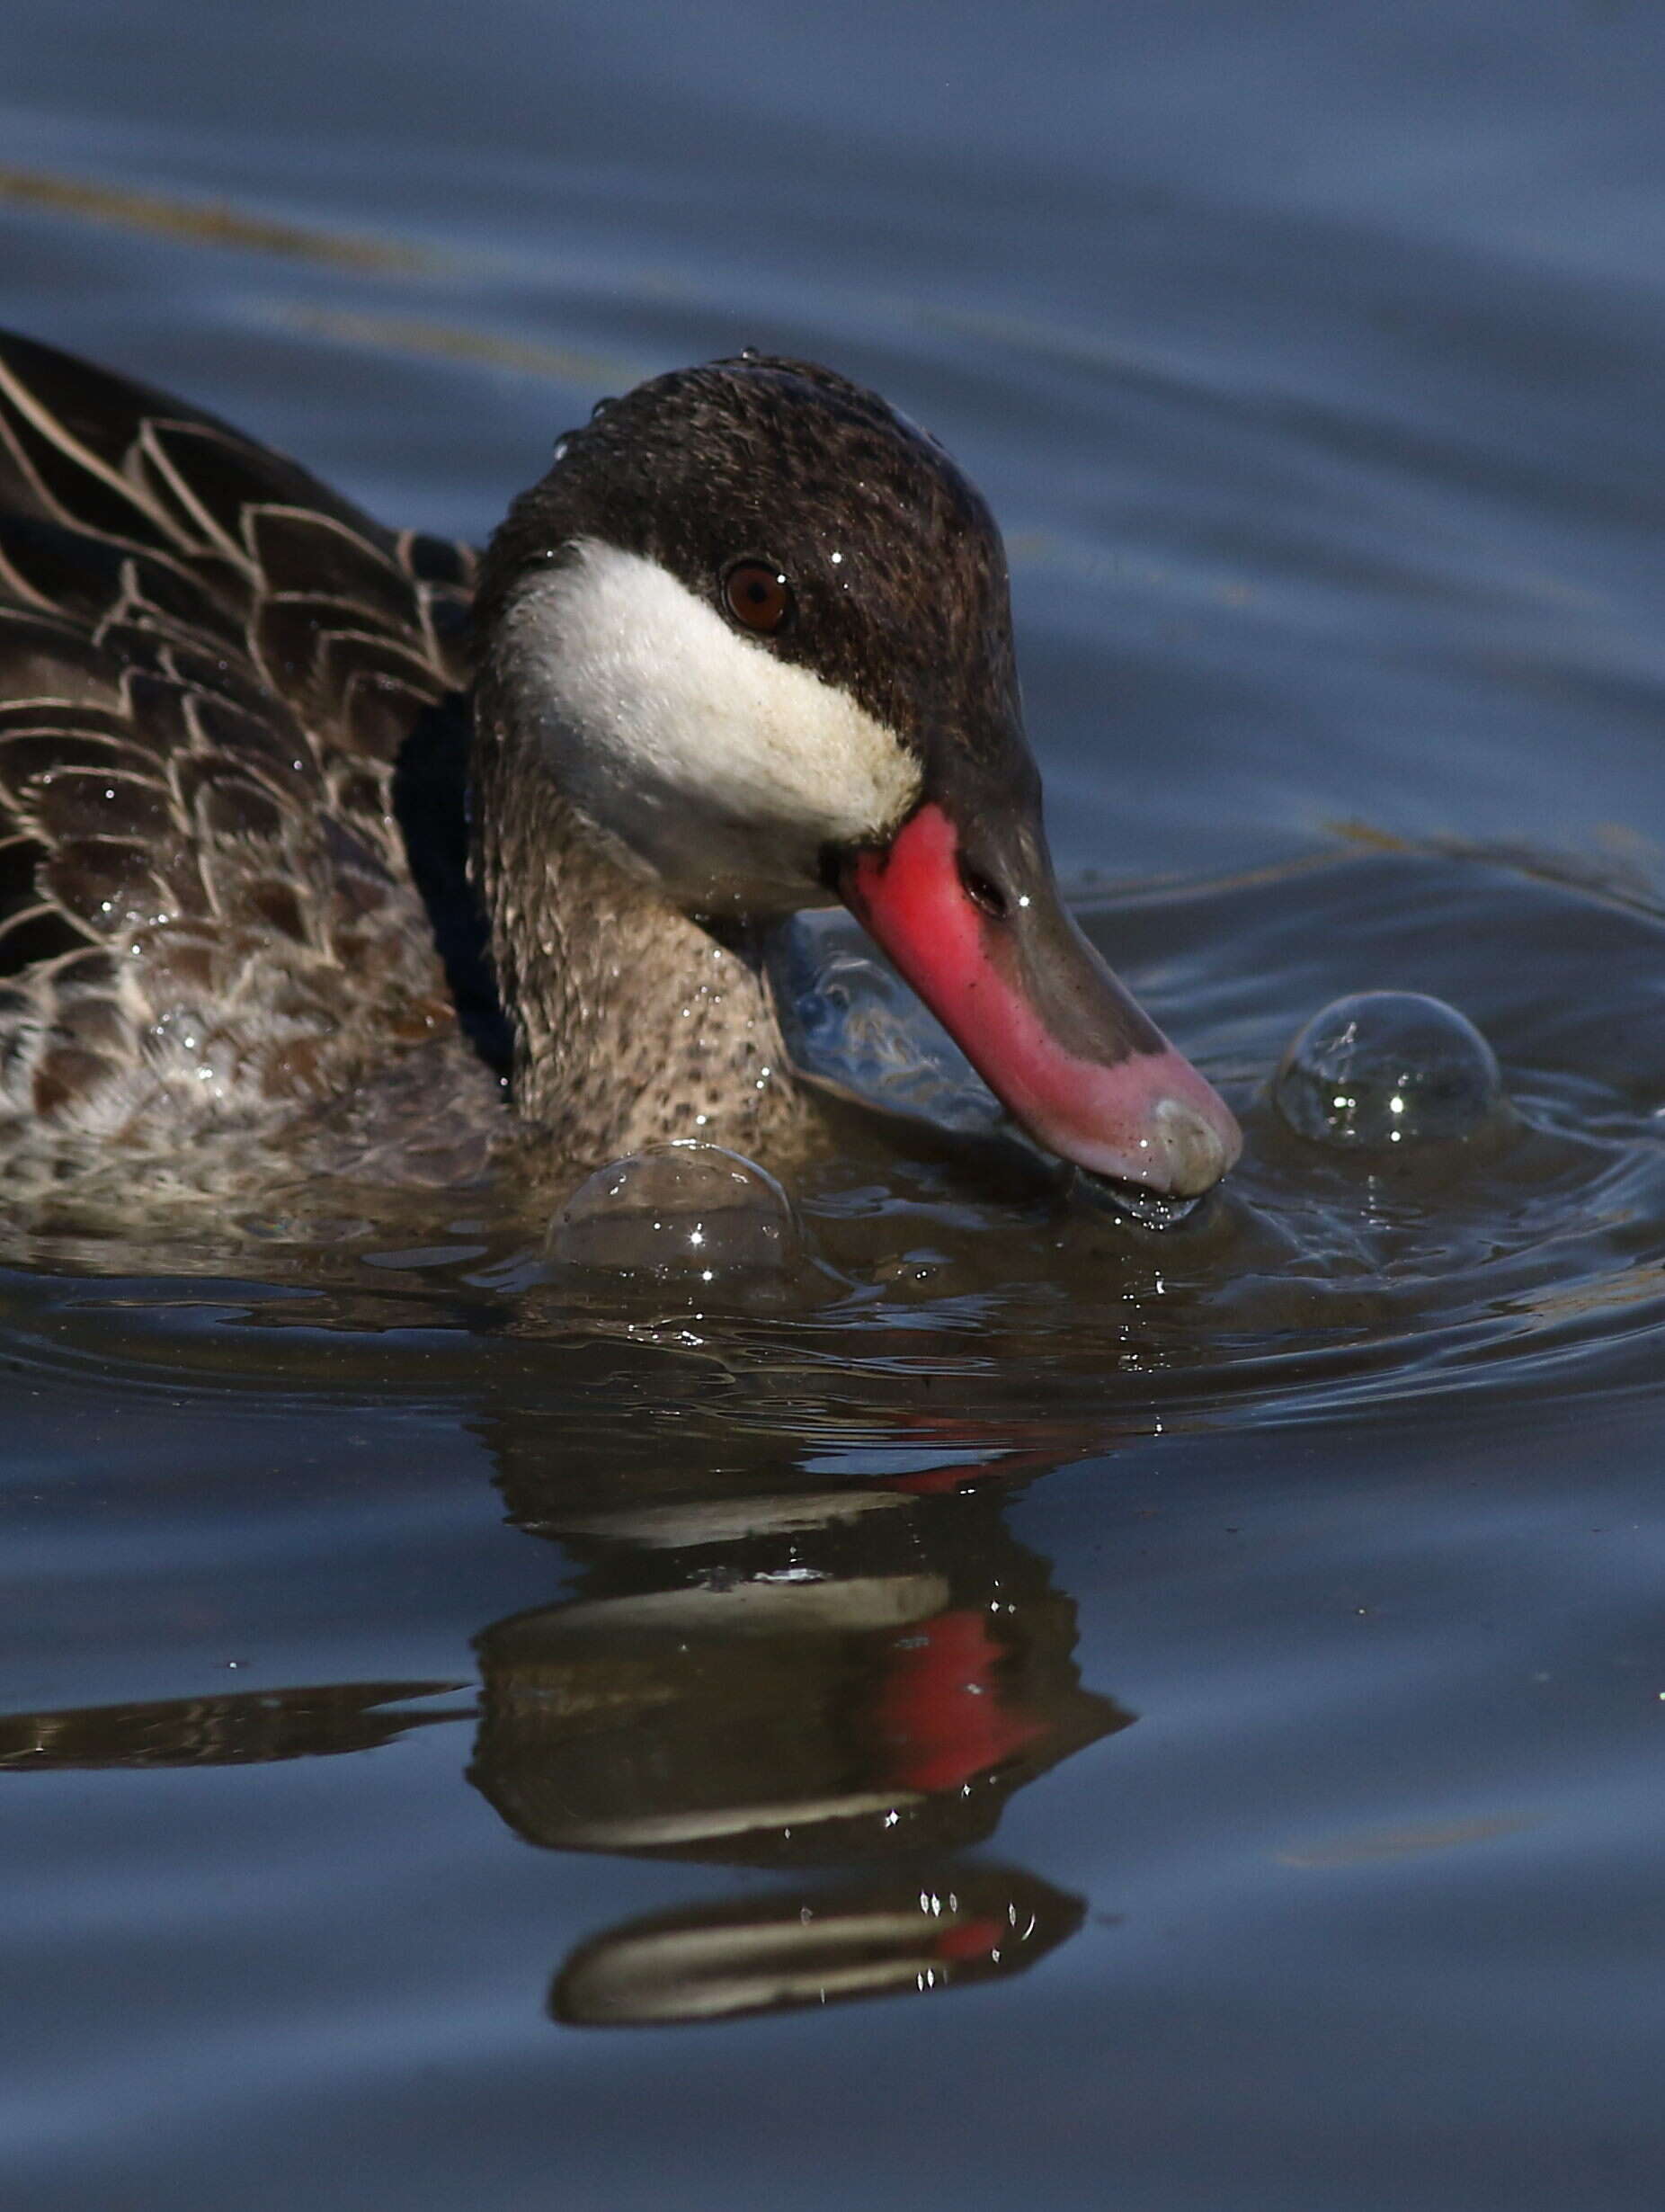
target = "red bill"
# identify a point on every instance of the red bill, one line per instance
(1063, 1045)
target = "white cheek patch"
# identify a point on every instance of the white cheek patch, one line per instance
(722, 768)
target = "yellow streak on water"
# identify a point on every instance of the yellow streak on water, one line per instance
(209, 223)
(414, 334)
(1367, 1844)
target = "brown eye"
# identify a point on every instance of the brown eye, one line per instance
(757, 596)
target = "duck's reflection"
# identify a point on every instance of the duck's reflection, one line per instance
(852, 1680)
(251, 1728)
(879, 1937)
(813, 1690)
(856, 1679)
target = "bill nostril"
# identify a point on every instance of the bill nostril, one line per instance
(983, 890)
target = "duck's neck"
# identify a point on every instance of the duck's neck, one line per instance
(633, 1025)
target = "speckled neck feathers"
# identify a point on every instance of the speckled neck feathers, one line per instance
(633, 1024)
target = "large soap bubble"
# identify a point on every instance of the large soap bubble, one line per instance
(685, 1215)
(1388, 1069)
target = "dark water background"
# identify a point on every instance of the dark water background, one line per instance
(406, 1675)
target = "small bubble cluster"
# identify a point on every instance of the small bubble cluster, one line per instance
(1388, 1069)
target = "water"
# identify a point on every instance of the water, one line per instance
(414, 1674)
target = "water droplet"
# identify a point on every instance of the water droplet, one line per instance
(601, 407)
(1387, 1069)
(749, 353)
(1153, 1209)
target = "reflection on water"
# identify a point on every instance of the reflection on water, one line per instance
(752, 1672)
(237, 1730)
(781, 1676)
(880, 1937)
(778, 1676)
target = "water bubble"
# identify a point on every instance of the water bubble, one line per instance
(1383, 1070)
(687, 1215)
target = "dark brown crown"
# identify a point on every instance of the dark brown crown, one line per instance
(897, 572)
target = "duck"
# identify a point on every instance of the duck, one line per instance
(300, 814)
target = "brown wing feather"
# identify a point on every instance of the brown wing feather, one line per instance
(209, 667)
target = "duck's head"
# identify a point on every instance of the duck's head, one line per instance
(757, 626)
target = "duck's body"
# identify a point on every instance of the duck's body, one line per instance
(208, 670)
(236, 739)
